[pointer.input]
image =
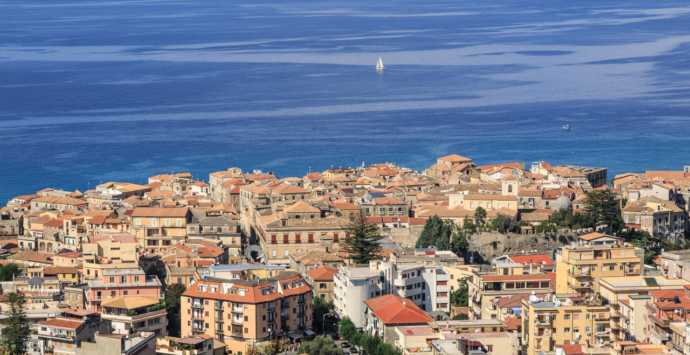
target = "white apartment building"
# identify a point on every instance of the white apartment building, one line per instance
(423, 283)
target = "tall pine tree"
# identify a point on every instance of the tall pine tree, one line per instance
(363, 242)
(17, 330)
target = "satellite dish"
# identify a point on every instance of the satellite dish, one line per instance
(533, 298)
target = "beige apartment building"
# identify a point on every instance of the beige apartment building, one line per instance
(509, 279)
(485, 201)
(581, 266)
(297, 228)
(563, 320)
(109, 253)
(158, 228)
(243, 313)
(658, 217)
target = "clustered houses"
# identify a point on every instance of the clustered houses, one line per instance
(253, 250)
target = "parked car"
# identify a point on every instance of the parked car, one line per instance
(344, 344)
(353, 350)
(362, 352)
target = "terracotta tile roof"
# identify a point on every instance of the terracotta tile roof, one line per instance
(512, 323)
(345, 206)
(98, 220)
(53, 270)
(130, 302)
(253, 293)
(392, 309)
(389, 201)
(301, 207)
(665, 174)
(592, 236)
(454, 158)
(572, 349)
(63, 323)
(322, 273)
(667, 294)
(53, 223)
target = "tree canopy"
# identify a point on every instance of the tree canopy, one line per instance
(7, 271)
(321, 345)
(173, 294)
(363, 243)
(602, 207)
(17, 330)
(321, 307)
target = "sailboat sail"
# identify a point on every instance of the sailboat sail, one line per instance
(379, 65)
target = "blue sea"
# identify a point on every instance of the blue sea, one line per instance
(111, 90)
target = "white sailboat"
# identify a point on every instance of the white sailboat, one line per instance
(379, 65)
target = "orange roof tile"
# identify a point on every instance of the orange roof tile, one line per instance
(395, 309)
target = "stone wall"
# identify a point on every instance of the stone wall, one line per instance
(483, 243)
(404, 237)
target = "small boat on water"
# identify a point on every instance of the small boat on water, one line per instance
(379, 65)
(566, 128)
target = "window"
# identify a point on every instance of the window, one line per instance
(167, 223)
(335, 237)
(625, 218)
(566, 317)
(587, 317)
(603, 268)
(274, 253)
(285, 252)
(499, 205)
(612, 268)
(136, 278)
(273, 239)
(472, 205)
(112, 279)
(311, 238)
(297, 238)
(124, 293)
(566, 330)
(576, 317)
(286, 239)
(322, 286)
(509, 205)
(179, 223)
(123, 279)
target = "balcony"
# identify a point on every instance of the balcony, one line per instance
(272, 308)
(271, 320)
(198, 316)
(662, 322)
(239, 321)
(300, 313)
(197, 305)
(659, 335)
(138, 316)
(301, 300)
(218, 306)
(284, 316)
(285, 304)
(442, 288)
(236, 334)
(580, 286)
(606, 319)
(54, 334)
(579, 273)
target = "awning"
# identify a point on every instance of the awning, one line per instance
(295, 335)
(309, 332)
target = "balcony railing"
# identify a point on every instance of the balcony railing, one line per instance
(236, 334)
(219, 306)
(197, 305)
(237, 320)
(301, 300)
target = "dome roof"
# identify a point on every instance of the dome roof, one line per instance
(562, 202)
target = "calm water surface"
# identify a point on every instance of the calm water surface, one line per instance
(95, 91)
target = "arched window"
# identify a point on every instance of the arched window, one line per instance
(510, 188)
